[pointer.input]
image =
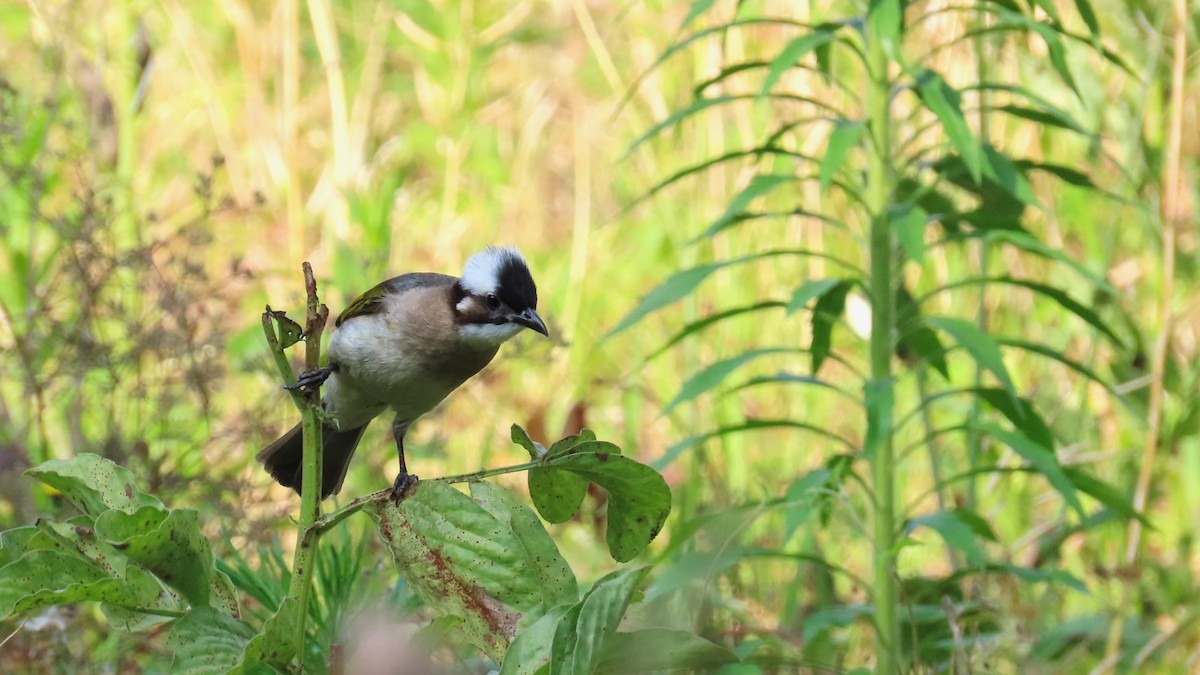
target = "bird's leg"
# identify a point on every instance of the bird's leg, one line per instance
(404, 480)
(311, 379)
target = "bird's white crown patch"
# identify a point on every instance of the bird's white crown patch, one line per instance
(481, 275)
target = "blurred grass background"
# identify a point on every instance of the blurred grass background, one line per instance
(168, 165)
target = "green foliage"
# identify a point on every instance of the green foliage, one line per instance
(934, 169)
(484, 561)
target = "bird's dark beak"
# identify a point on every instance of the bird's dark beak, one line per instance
(530, 320)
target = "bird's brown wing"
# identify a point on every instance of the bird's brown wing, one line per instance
(371, 302)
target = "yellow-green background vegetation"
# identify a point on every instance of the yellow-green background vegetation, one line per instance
(168, 165)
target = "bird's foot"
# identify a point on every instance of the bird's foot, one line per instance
(311, 379)
(404, 484)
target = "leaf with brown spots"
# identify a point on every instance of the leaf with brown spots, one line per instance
(93, 484)
(475, 559)
(639, 499)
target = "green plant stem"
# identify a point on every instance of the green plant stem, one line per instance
(880, 387)
(331, 520)
(309, 404)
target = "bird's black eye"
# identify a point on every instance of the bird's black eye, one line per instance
(493, 302)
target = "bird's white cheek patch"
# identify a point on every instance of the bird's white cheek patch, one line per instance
(488, 333)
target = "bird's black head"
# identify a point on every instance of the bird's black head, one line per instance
(499, 296)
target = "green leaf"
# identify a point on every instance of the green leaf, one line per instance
(1042, 459)
(78, 537)
(583, 632)
(14, 542)
(813, 288)
(289, 331)
(465, 562)
(206, 641)
(521, 438)
(1050, 9)
(759, 186)
(673, 452)
(1052, 118)
(530, 650)
(562, 445)
(1087, 314)
(1105, 493)
(715, 374)
(1031, 244)
(1076, 366)
(1034, 575)
(93, 484)
(958, 532)
(823, 619)
(829, 307)
(792, 53)
(885, 18)
(274, 644)
(844, 136)
(1089, 17)
(1020, 413)
(681, 283)
(1008, 176)
(557, 581)
(909, 222)
(558, 494)
(945, 103)
(1058, 53)
(916, 343)
(698, 8)
(639, 499)
(701, 324)
(658, 649)
(697, 106)
(802, 496)
(46, 577)
(981, 346)
(675, 288)
(168, 543)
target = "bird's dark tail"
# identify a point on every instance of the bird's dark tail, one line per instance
(283, 459)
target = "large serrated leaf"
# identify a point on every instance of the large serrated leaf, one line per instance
(557, 581)
(463, 562)
(46, 577)
(583, 632)
(93, 484)
(207, 642)
(168, 543)
(639, 499)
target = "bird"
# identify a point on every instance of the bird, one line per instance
(404, 346)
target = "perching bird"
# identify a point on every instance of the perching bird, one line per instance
(405, 345)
